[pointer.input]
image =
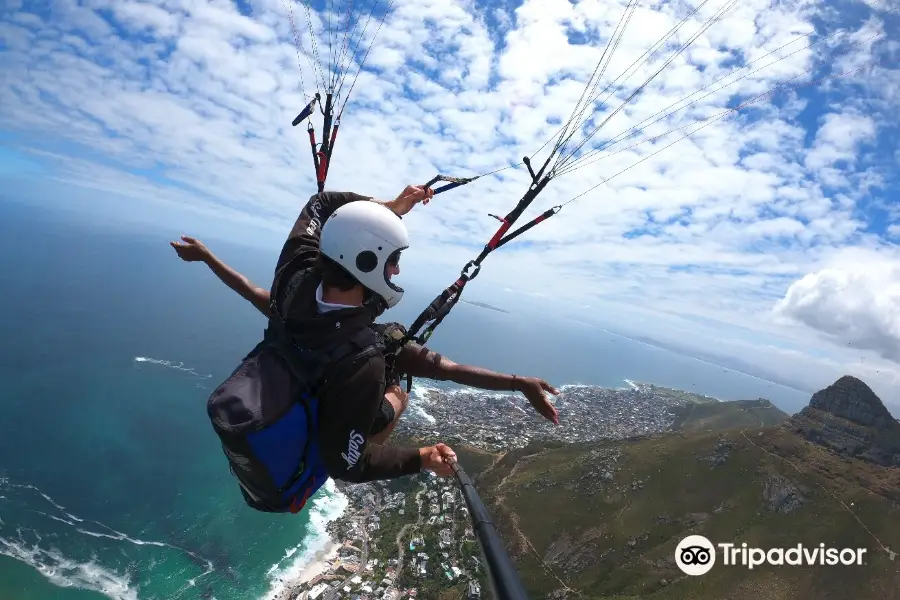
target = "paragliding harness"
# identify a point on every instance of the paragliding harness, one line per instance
(266, 412)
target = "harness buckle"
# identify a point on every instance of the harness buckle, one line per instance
(464, 274)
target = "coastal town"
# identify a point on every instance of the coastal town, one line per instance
(501, 421)
(412, 537)
(409, 538)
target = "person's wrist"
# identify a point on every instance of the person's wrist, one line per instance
(391, 204)
(425, 457)
(515, 384)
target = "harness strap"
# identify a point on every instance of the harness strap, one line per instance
(321, 157)
(451, 182)
(325, 152)
(441, 306)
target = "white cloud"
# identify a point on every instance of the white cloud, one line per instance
(838, 138)
(191, 101)
(856, 300)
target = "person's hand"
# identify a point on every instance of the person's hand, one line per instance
(394, 391)
(191, 250)
(536, 391)
(409, 197)
(438, 458)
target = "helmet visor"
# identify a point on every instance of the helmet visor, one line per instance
(392, 262)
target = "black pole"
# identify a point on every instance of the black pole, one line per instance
(501, 571)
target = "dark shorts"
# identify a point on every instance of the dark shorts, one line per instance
(383, 417)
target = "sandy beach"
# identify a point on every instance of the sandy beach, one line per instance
(317, 566)
(319, 563)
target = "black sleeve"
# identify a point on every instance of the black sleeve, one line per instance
(419, 361)
(347, 407)
(413, 359)
(304, 236)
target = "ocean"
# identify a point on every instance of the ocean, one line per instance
(112, 482)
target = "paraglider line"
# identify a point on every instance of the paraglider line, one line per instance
(710, 122)
(662, 114)
(381, 22)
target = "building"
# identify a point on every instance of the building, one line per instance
(392, 594)
(445, 537)
(447, 499)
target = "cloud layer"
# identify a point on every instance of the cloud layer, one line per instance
(747, 229)
(857, 302)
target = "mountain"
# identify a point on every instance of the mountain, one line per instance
(603, 519)
(850, 419)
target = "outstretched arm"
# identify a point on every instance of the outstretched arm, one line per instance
(193, 250)
(419, 361)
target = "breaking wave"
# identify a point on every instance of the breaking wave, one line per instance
(27, 544)
(420, 397)
(180, 366)
(65, 572)
(327, 505)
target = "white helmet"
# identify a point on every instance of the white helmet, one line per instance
(364, 237)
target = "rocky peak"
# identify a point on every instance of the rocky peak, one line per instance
(851, 399)
(850, 419)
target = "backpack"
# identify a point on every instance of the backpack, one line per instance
(266, 415)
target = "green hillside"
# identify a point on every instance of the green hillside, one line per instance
(719, 416)
(604, 519)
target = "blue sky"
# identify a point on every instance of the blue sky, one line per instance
(769, 235)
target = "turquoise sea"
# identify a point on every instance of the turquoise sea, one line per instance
(112, 483)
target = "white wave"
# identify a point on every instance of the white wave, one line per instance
(66, 573)
(422, 395)
(48, 499)
(166, 363)
(113, 535)
(28, 486)
(421, 412)
(326, 505)
(60, 519)
(121, 538)
(577, 386)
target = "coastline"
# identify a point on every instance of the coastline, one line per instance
(319, 547)
(318, 565)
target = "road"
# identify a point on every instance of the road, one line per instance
(401, 546)
(364, 553)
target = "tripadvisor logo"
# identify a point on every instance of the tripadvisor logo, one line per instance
(696, 555)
